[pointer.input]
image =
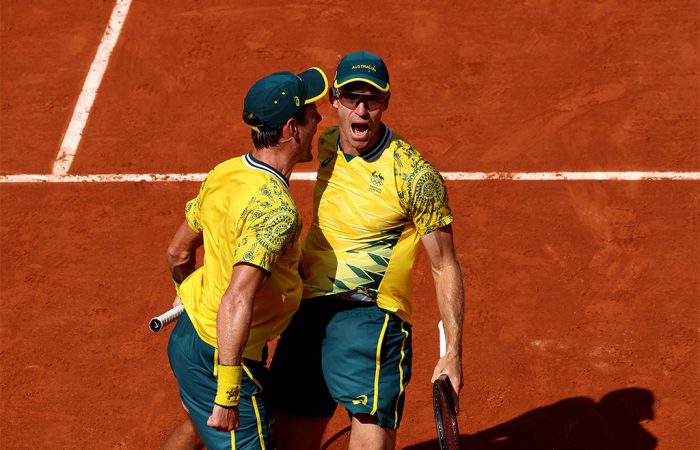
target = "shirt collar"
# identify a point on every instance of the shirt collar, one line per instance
(250, 161)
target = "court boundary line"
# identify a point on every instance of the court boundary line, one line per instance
(311, 176)
(74, 132)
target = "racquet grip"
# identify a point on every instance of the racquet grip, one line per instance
(157, 323)
(443, 343)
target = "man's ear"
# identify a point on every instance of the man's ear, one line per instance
(291, 128)
(386, 102)
(332, 99)
(288, 130)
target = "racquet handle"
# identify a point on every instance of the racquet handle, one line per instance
(443, 344)
(157, 323)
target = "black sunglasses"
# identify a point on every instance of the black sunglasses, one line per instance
(352, 100)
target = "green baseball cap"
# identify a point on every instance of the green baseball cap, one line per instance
(362, 66)
(279, 96)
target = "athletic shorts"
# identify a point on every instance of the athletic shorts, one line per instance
(338, 351)
(192, 361)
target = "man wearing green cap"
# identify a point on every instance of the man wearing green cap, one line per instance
(248, 287)
(375, 199)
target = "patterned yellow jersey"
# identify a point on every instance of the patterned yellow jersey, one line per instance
(247, 215)
(369, 213)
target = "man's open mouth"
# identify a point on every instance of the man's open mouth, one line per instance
(359, 130)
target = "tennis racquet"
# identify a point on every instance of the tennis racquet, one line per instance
(443, 406)
(157, 323)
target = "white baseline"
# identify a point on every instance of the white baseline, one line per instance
(311, 176)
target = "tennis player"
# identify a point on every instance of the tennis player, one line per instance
(248, 287)
(376, 198)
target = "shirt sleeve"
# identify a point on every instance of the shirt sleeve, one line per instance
(193, 209)
(268, 227)
(422, 191)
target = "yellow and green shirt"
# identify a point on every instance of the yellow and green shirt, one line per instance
(247, 215)
(369, 213)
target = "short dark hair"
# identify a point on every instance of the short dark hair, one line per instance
(269, 138)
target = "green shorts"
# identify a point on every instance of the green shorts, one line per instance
(192, 361)
(338, 351)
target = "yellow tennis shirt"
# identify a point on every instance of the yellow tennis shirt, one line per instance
(247, 215)
(369, 213)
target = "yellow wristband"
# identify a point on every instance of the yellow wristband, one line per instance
(228, 391)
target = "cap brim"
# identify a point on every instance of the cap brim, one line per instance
(383, 86)
(316, 84)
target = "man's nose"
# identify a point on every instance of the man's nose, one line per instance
(361, 107)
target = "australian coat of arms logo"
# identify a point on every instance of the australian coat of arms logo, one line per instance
(376, 181)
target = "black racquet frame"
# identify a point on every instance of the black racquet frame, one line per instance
(445, 417)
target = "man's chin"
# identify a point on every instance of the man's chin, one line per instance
(361, 148)
(358, 144)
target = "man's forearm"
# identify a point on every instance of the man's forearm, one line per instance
(182, 252)
(235, 314)
(232, 327)
(449, 291)
(182, 266)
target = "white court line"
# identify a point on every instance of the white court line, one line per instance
(74, 133)
(311, 176)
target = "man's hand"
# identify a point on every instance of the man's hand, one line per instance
(451, 365)
(223, 419)
(177, 301)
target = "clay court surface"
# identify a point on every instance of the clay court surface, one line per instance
(582, 321)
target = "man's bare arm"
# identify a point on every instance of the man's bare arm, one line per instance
(232, 328)
(449, 290)
(182, 252)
